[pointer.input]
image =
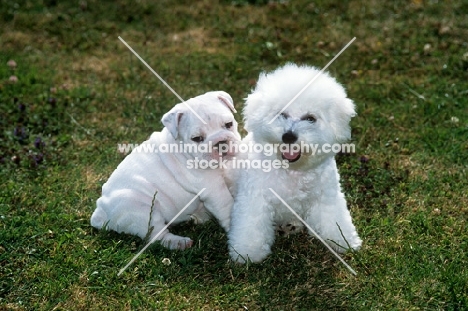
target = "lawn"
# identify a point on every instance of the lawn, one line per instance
(74, 91)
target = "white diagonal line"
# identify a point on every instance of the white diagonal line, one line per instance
(315, 233)
(162, 80)
(415, 93)
(157, 235)
(311, 81)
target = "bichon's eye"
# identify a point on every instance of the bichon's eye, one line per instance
(311, 119)
(198, 139)
(228, 125)
(284, 115)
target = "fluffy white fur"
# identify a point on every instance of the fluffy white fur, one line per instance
(125, 204)
(311, 184)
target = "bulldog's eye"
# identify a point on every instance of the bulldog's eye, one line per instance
(310, 118)
(228, 125)
(198, 139)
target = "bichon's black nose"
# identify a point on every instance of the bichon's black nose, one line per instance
(289, 137)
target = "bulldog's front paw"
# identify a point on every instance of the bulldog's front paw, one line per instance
(176, 242)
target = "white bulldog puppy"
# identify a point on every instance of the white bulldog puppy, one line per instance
(307, 181)
(127, 205)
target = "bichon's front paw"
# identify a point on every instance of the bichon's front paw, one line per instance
(355, 242)
(254, 256)
(343, 245)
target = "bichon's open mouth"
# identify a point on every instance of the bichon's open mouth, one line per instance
(291, 156)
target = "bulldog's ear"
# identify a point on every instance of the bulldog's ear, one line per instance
(226, 99)
(171, 121)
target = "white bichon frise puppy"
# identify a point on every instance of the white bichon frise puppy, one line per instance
(310, 183)
(126, 204)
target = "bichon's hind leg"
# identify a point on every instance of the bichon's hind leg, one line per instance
(292, 227)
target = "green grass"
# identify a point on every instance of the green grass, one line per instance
(80, 91)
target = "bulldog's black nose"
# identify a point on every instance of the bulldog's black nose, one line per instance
(221, 143)
(223, 147)
(289, 137)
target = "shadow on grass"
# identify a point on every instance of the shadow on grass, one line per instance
(298, 274)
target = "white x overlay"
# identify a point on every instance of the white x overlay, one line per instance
(162, 80)
(199, 193)
(311, 81)
(157, 235)
(314, 233)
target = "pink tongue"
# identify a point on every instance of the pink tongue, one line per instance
(291, 155)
